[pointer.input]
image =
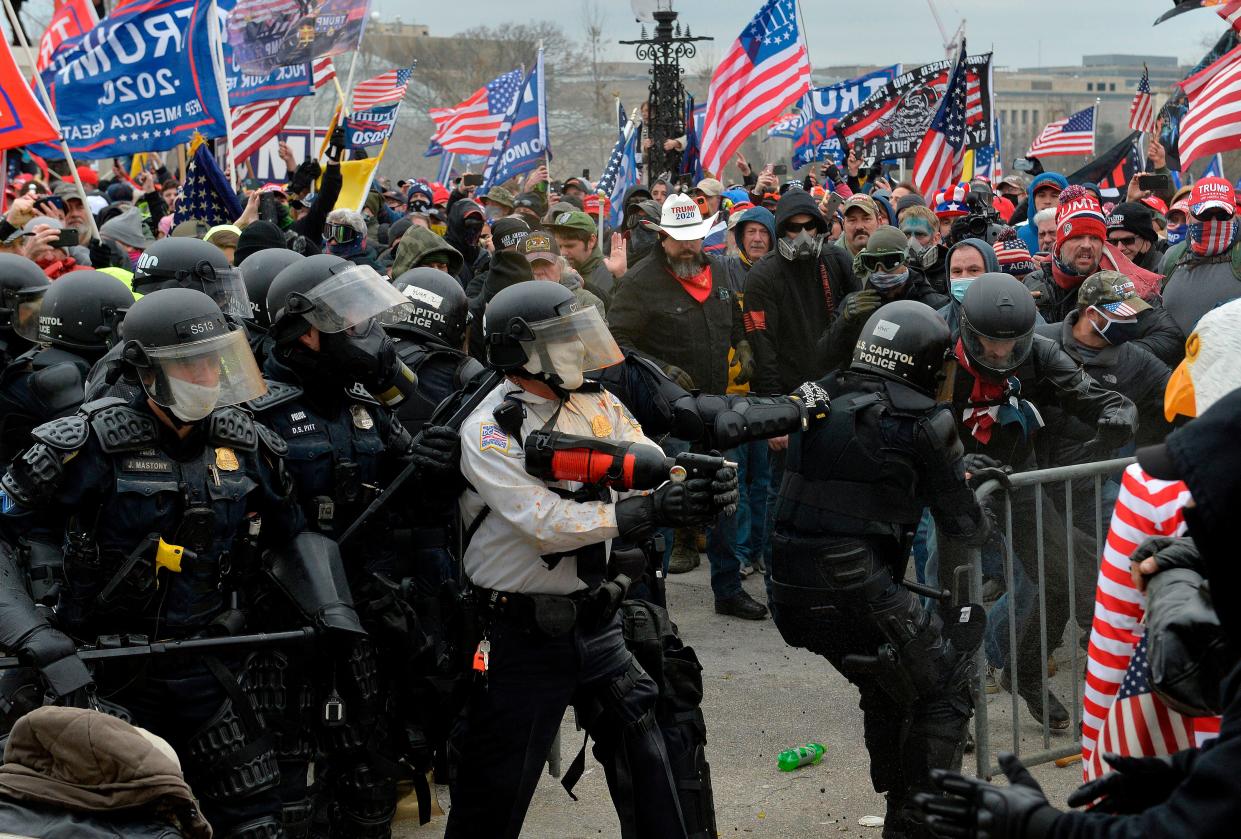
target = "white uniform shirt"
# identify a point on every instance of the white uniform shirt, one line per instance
(527, 520)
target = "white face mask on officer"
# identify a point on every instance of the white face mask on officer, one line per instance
(562, 359)
(192, 402)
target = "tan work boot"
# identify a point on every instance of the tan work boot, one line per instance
(684, 553)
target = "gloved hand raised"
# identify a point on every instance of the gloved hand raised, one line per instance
(1134, 784)
(859, 305)
(56, 657)
(436, 449)
(975, 809)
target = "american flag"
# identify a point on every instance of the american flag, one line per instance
(1211, 125)
(766, 70)
(470, 127)
(1142, 111)
(621, 171)
(1146, 507)
(256, 123)
(1072, 135)
(939, 154)
(384, 89)
(1230, 11)
(206, 194)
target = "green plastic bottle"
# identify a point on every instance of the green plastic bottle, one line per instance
(807, 755)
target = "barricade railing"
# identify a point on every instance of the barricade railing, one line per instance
(1048, 485)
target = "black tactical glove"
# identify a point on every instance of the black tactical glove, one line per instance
(1170, 552)
(56, 657)
(336, 145)
(436, 449)
(975, 809)
(725, 489)
(982, 468)
(814, 398)
(679, 376)
(1113, 432)
(745, 359)
(674, 504)
(859, 305)
(304, 177)
(1134, 784)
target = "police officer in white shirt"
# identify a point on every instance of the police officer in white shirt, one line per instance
(537, 557)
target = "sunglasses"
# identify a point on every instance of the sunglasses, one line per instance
(342, 234)
(881, 261)
(798, 227)
(1123, 241)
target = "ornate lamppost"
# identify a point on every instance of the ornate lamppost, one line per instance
(665, 117)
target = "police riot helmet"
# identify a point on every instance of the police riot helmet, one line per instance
(182, 262)
(22, 285)
(331, 294)
(258, 270)
(440, 308)
(189, 358)
(997, 323)
(536, 327)
(905, 341)
(81, 311)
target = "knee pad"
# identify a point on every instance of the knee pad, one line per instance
(228, 759)
(923, 655)
(264, 828)
(364, 803)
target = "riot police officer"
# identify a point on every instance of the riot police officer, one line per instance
(155, 508)
(854, 490)
(329, 356)
(258, 270)
(78, 321)
(537, 557)
(22, 285)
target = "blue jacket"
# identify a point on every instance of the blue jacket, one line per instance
(1027, 230)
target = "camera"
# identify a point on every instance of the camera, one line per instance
(982, 222)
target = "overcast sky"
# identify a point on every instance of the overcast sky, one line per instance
(1023, 33)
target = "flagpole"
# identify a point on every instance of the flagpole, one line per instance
(217, 54)
(353, 66)
(602, 196)
(547, 155)
(51, 113)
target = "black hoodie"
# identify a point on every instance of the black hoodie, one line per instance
(789, 305)
(456, 236)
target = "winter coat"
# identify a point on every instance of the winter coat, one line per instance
(1198, 284)
(455, 236)
(653, 314)
(1027, 229)
(789, 306)
(417, 247)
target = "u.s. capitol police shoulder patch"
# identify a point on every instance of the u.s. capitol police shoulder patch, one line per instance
(491, 436)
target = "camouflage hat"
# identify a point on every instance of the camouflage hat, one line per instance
(499, 195)
(887, 239)
(574, 220)
(1113, 293)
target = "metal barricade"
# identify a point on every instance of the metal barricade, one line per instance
(1043, 484)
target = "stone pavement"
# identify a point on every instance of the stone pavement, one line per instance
(761, 697)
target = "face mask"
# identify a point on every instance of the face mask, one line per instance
(958, 287)
(887, 282)
(564, 358)
(1176, 233)
(641, 241)
(472, 232)
(192, 402)
(1211, 238)
(1115, 331)
(439, 229)
(805, 245)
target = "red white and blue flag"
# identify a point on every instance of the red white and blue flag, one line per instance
(1072, 135)
(22, 118)
(1211, 124)
(70, 19)
(385, 89)
(940, 154)
(1142, 110)
(521, 145)
(256, 123)
(471, 126)
(766, 70)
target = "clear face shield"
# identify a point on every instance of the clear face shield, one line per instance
(226, 286)
(24, 319)
(570, 346)
(193, 379)
(349, 298)
(999, 356)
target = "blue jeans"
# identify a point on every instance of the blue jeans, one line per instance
(775, 460)
(996, 641)
(754, 475)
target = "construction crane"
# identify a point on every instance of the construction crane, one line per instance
(951, 45)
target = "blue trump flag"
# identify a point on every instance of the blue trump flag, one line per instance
(621, 171)
(521, 144)
(823, 106)
(144, 79)
(370, 127)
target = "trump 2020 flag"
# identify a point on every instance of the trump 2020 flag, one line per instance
(766, 70)
(621, 171)
(206, 194)
(370, 127)
(69, 20)
(22, 118)
(521, 144)
(144, 79)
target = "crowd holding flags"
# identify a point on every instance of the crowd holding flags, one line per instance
(938, 161)
(521, 143)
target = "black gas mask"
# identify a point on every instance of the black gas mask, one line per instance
(363, 353)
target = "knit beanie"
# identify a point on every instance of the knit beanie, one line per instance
(1012, 253)
(1133, 217)
(258, 236)
(1078, 214)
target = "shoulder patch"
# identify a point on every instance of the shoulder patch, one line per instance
(272, 441)
(66, 433)
(121, 428)
(278, 393)
(492, 436)
(233, 427)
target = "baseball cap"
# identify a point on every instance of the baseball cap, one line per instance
(709, 187)
(529, 201)
(863, 202)
(1212, 193)
(1156, 204)
(1112, 292)
(574, 220)
(539, 246)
